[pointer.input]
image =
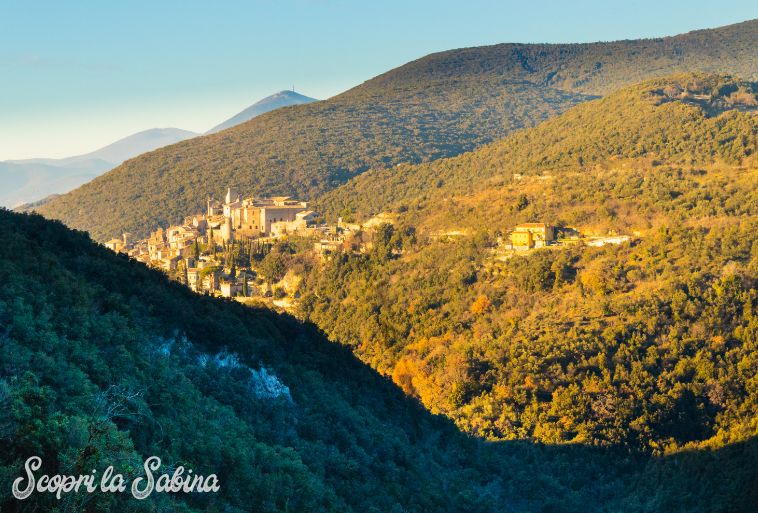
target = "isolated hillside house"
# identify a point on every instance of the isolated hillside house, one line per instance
(532, 235)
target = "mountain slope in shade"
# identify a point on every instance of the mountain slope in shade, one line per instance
(32, 179)
(438, 106)
(105, 362)
(275, 101)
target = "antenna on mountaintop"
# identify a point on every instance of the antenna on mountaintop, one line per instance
(293, 88)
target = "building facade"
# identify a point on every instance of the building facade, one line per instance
(532, 235)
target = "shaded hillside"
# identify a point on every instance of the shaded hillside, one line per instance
(106, 362)
(438, 106)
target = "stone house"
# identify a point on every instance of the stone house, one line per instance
(532, 235)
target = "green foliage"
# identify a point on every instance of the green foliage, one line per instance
(609, 346)
(106, 362)
(274, 265)
(644, 346)
(619, 378)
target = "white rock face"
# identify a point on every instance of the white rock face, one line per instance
(262, 382)
(265, 385)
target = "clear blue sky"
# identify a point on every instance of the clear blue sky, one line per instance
(76, 75)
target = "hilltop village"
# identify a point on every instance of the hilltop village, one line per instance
(222, 251)
(216, 252)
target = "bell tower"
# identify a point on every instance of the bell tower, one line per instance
(231, 195)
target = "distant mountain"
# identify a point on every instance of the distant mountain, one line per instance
(30, 183)
(438, 106)
(280, 99)
(25, 182)
(33, 179)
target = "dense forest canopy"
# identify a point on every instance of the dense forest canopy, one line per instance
(106, 362)
(438, 106)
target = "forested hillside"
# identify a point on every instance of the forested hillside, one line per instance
(651, 344)
(438, 106)
(595, 68)
(106, 362)
(685, 120)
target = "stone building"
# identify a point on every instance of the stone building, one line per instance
(532, 235)
(303, 221)
(254, 217)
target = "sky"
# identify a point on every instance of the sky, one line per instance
(77, 75)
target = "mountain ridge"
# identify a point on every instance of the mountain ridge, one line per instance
(529, 59)
(414, 115)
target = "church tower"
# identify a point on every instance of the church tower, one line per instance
(231, 195)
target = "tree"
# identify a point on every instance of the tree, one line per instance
(384, 242)
(273, 266)
(480, 305)
(522, 202)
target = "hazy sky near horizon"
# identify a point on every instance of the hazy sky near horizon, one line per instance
(75, 76)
